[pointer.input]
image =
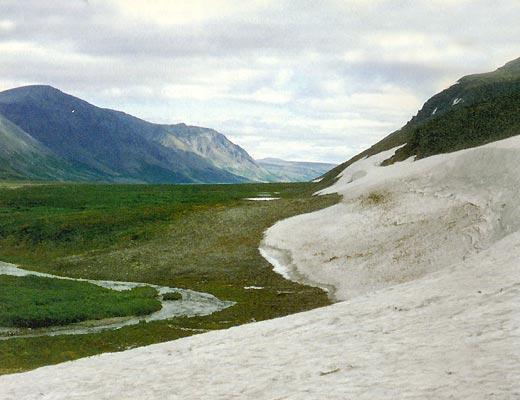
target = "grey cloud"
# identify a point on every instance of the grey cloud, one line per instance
(92, 51)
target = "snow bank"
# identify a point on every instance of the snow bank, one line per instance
(445, 229)
(397, 223)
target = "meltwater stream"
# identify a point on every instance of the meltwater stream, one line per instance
(192, 304)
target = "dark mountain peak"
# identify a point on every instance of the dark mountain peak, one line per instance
(40, 88)
(507, 72)
(42, 97)
(35, 91)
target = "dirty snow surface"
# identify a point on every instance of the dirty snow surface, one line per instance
(425, 257)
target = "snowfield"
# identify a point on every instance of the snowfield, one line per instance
(398, 223)
(426, 258)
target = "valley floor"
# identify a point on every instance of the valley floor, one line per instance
(424, 255)
(199, 237)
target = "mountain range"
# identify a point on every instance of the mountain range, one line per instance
(46, 134)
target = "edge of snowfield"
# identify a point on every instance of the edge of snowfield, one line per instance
(397, 223)
(427, 256)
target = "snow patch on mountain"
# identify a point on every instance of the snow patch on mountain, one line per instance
(456, 101)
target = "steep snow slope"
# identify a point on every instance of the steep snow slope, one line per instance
(445, 228)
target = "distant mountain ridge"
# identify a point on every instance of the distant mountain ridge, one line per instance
(476, 110)
(294, 171)
(210, 144)
(85, 142)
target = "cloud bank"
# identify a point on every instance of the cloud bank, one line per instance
(301, 80)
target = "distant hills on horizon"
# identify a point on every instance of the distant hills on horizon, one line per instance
(293, 171)
(46, 134)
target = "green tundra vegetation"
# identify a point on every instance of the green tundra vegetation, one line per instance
(478, 124)
(35, 302)
(200, 237)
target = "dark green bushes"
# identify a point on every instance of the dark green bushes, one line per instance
(172, 296)
(465, 127)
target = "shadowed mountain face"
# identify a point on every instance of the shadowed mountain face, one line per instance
(476, 110)
(214, 146)
(101, 144)
(294, 171)
(22, 157)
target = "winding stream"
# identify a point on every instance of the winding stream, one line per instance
(192, 304)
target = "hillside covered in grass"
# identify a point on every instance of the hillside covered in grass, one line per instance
(476, 110)
(23, 157)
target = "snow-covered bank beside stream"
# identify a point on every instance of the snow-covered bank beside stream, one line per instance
(397, 223)
(452, 334)
(427, 254)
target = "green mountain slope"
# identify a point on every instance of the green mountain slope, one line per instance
(478, 109)
(23, 157)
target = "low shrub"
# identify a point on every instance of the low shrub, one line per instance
(172, 296)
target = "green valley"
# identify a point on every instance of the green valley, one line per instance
(200, 237)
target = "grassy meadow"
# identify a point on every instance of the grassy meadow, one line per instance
(36, 302)
(200, 237)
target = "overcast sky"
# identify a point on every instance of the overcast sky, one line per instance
(305, 80)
